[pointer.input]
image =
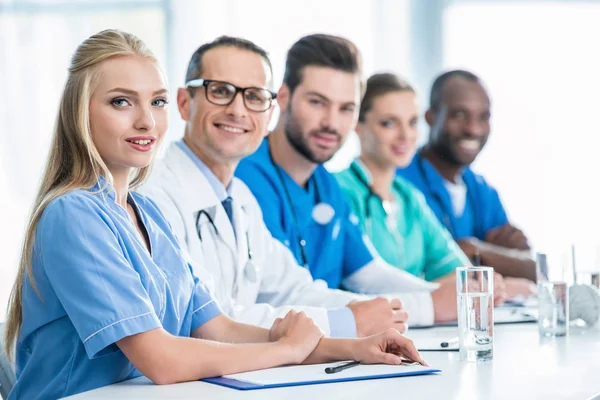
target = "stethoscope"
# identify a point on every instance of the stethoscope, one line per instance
(391, 219)
(249, 271)
(447, 220)
(288, 197)
(322, 212)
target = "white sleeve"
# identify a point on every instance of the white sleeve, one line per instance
(378, 277)
(264, 315)
(287, 286)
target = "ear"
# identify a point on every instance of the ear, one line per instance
(183, 103)
(430, 117)
(269, 116)
(283, 97)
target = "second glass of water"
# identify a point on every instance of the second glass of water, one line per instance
(553, 271)
(475, 297)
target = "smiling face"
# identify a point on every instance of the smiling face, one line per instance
(460, 128)
(321, 112)
(128, 118)
(226, 134)
(388, 135)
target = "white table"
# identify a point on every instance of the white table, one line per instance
(524, 367)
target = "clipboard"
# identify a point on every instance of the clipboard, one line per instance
(299, 375)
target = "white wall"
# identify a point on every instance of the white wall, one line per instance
(36, 44)
(540, 64)
(538, 59)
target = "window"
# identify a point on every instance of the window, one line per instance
(542, 74)
(36, 43)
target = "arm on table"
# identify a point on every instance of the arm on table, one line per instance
(378, 277)
(388, 347)
(508, 236)
(166, 359)
(507, 262)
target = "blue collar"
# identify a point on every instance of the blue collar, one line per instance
(433, 179)
(220, 190)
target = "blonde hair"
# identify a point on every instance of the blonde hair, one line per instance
(73, 162)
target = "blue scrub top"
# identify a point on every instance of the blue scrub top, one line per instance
(98, 284)
(483, 208)
(335, 249)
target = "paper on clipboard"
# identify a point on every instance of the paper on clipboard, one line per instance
(314, 374)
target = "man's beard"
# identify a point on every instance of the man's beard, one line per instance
(299, 142)
(443, 150)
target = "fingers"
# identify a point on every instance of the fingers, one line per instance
(399, 316)
(400, 327)
(500, 235)
(276, 323)
(499, 289)
(388, 358)
(492, 235)
(518, 240)
(505, 232)
(405, 345)
(499, 283)
(520, 286)
(396, 304)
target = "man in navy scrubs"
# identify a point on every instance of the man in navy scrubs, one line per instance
(459, 118)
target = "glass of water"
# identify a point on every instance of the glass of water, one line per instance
(475, 297)
(553, 271)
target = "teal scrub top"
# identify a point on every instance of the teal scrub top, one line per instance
(419, 244)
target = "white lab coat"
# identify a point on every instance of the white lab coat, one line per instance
(254, 292)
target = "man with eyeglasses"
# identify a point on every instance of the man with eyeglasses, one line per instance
(227, 105)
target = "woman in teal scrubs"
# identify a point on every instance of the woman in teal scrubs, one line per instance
(104, 292)
(393, 213)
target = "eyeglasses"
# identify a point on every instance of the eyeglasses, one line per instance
(223, 93)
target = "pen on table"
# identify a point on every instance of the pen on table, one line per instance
(341, 367)
(449, 342)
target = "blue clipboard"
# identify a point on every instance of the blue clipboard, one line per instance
(246, 385)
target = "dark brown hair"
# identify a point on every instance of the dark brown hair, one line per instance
(322, 51)
(379, 85)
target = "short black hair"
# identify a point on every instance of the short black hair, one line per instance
(194, 69)
(435, 97)
(322, 51)
(379, 85)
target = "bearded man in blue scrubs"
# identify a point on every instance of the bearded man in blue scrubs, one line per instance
(459, 117)
(303, 205)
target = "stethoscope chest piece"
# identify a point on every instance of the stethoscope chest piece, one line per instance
(323, 213)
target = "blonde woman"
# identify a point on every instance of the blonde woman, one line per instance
(104, 292)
